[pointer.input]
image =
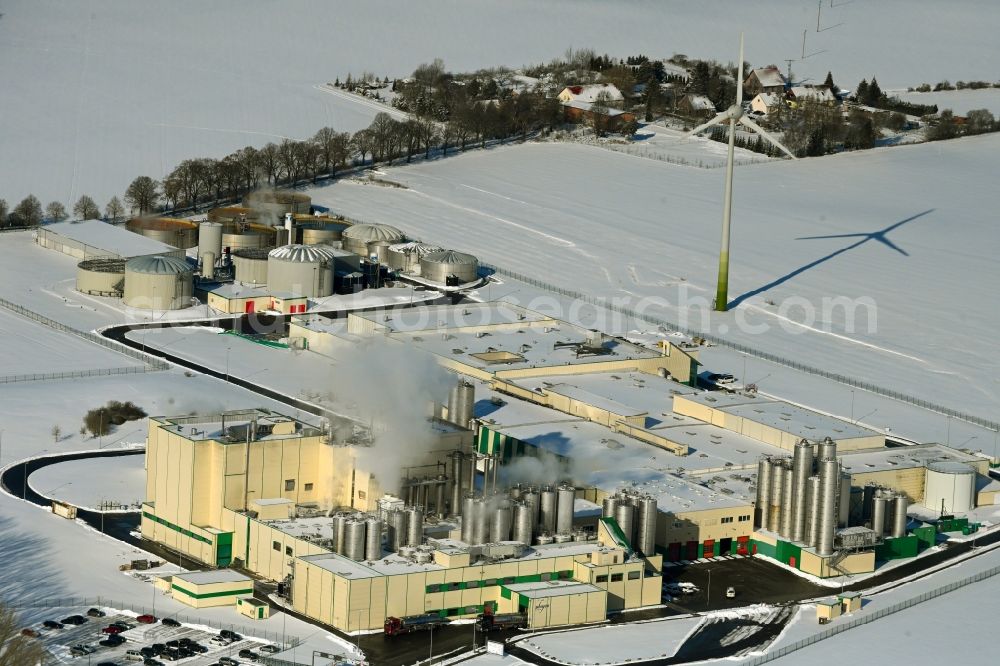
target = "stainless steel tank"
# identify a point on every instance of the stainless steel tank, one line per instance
(625, 516)
(500, 525)
(468, 516)
(457, 480)
(547, 511)
(899, 519)
(530, 497)
(802, 464)
(480, 522)
(562, 538)
(844, 501)
(397, 530)
(566, 501)
(646, 526)
(544, 539)
(777, 492)
(608, 506)
(827, 450)
(439, 488)
(866, 503)
(373, 539)
(439, 266)
(339, 521)
(812, 512)
(414, 526)
(523, 526)
(787, 503)
(763, 492)
(829, 490)
(514, 491)
(878, 513)
(354, 539)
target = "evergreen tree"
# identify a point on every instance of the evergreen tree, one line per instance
(874, 94)
(829, 83)
(861, 93)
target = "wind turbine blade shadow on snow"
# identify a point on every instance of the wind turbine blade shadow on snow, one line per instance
(863, 238)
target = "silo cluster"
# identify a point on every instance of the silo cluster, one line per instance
(405, 257)
(802, 498)
(884, 510)
(635, 512)
(526, 514)
(357, 536)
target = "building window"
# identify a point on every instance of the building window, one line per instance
(361, 494)
(471, 584)
(289, 485)
(277, 546)
(634, 575)
(288, 550)
(678, 523)
(489, 582)
(744, 519)
(727, 519)
(308, 487)
(616, 578)
(507, 581)
(545, 577)
(602, 579)
(565, 575)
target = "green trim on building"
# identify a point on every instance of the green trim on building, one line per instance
(617, 534)
(210, 595)
(223, 549)
(435, 588)
(898, 548)
(763, 548)
(176, 528)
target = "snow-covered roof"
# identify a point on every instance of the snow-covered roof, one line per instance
(700, 103)
(767, 99)
(611, 112)
(551, 588)
(821, 94)
(209, 577)
(768, 76)
(108, 238)
(675, 70)
(589, 93)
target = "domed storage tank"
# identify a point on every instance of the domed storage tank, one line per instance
(178, 233)
(237, 236)
(950, 486)
(301, 269)
(158, 283)
(439, 266)
(357, 236)
(278, 202)
(405, 257)
(317, 232)
(101, 276)
(251, 265)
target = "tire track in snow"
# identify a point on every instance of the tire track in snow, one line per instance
(363, 101)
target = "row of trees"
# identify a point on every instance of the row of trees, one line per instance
(959, 85)
(29, 212)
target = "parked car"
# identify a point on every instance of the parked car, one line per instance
(730, 592)
(170, 622)
(51, 624)
(74, 620)
(270, 649)
(246, 653)
(95, 612)
(158, 648)
(112, 641)
(146, 619)
(125, 626)
(112, 629)
(81, 650)
(228, 661)
(197, 647)
(30, 633)
(173, 644)
(231, 635)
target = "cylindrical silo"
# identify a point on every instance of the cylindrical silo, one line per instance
(646, 528)
(827, 450)
(866, 503)
(101, 276)
(501, 523)
(829, 490)
(210, 239)
(405, 257)
(844, 501)
(158, 283)
(457, 479)
(802, 464)
(320, 232)
(354, 539)
(480, 521)
(813, 511)
(879, 503)
(530, 497)
(414, 526)
(306, 270)
(547, 511)
(251, 265)
(241, 236)
(461, 403)
(380, 250)
(777, 494)
(900, 504)
(514, 492)
(439, 488)
(182, 234)
(207, 265)
(397, 530)
(355, 238)
(609, 505)
(949, 487)
(337, 539)
(468, 516)
(787, 503)
(625, 516)
(763, 492)
(564, 508)
(523, 527)
(449, 266)
(373, 539)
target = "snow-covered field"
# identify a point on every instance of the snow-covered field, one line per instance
(614, 643)
(88, 483)
(648, 236)
(959, 101)
(96, 93)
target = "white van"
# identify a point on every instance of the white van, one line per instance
(134, 655)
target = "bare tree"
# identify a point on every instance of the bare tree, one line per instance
(599, 110)
(363, 143)
(382, 129)
(142, 195)
(114, 211)
(56, 212)
(3, 211)
(248, 160)
(56, 433)
(86, 208)
(268, 160)
(28, 213)
(287, 160)
(427, 134)
(18, 650)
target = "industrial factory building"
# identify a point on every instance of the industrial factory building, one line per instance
(87, 239)
(287, 501)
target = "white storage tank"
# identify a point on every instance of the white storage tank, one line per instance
(950, 486)
(101, 276)
(158, 283)
(357, 237)
(210, 239)
(251, 265)
(169, 230)
(306, 270)
(405, 257)
(439, 266)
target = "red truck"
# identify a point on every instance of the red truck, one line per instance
(394, 626)
(487, 622)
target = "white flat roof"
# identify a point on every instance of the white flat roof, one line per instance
(902, 457)
(552, 588)
(217, 576)
(108, 237)
(583, 395)
(436, 317)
